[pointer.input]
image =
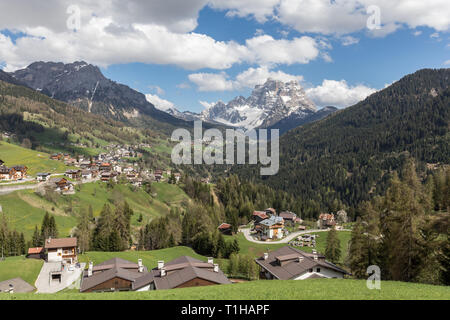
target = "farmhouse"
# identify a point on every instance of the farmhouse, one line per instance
(225, 228)
(36, 253)
(62, 185)
(6, 173)
(326, 220)
(86, 174)
(20, 172)
(288, 216)
(73, 174)
(186, 272)
(272, 228)
(43, 176)
(116, 275)
(288, 263)
(259, 216)
(61, 250)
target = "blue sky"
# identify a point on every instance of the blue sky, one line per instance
(216, 50)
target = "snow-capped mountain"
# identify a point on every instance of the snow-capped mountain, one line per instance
(268, 104)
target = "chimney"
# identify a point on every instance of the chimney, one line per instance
(91, 267)
(163, 272)
(140, 266)
(314, 251)
(315, 257)
(210, 260)
(160, 265)
(216, 267)
(299, 259)
(266, 255)
(11, 288)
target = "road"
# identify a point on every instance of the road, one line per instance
(290, 237)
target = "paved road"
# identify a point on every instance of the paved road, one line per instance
(43, 283)
(290, 237)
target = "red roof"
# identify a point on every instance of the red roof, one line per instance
(35, 250)
(224, 226)
(260, 214)
(60, 243)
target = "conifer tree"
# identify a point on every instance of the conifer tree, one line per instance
(333, 249)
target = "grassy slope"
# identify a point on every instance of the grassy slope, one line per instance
(317, 289)
(34, 160)
(257, 250)
(14, 267)
(24, 209)
(149, 258)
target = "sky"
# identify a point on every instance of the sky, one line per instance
(190, 54)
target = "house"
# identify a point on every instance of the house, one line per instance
(158, 175)
(61, 250)
(20, 172)
(116, 275)
(16, 285)
(73, 174)
(272, 228)
(326, 220)
(36, 253)
(259, 216)
(6, 173)
(105, 166)
(186, 272)
(288, 216)
(86, 174)
(288, 263)
(106, 176)
(271, 211)
(56, 156)
(43, 176)
(62, 185)
(177, 176)
(225, 228)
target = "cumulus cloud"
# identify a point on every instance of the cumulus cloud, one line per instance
(159, 103)
(338, 93)
(246, 79)
(349, 40)
(343, 16)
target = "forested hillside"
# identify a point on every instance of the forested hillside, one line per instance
(40, 122)
(348, 157)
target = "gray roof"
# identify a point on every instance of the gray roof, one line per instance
(184, 269)
(19, 285)
(272, 221)
(290, 267)
(115, 268)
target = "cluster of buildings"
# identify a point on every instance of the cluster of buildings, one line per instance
(117, 274)
(269, 225)
(13, 173)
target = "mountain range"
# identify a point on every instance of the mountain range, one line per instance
(274, 104)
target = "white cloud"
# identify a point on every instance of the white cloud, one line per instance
(159, 91)
(246, 79)
(446, 63)
(338, 93)
(261, 10)
(343, 16)
(211, 81)
(417, 33)
(159, 103)
(267, 50)
(349, 40)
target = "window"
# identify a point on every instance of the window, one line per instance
(310, 270)
(318, 269)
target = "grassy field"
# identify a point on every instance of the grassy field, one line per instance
(149, 258)
(317, 289)
(35, 161)
(257, 250)
(14, 267)
(25, 209)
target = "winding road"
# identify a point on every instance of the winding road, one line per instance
(290, 237)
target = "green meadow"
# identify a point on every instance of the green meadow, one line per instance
(316, 289)
(35, 161)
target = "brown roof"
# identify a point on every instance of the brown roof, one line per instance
(60, 243)
(224, 226)
(115, 268)
(291, 267)
(184, 269)
(263, 215)
(286, 215)
(35, 250)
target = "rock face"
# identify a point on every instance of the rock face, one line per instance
(268, 104)
(84, 86)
